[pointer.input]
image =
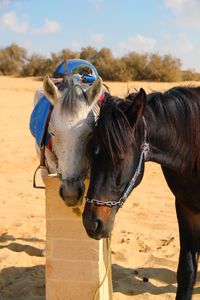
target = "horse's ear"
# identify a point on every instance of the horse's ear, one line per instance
(94, 92)
(50, 90)
(135, 112)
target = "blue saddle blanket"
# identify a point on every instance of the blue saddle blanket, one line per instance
(38, 121)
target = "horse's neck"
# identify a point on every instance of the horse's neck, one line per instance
(167, 148)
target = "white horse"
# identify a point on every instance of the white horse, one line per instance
(70, 127)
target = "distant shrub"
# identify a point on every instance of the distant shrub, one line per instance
(190, 75)
(117, 71)
(136, 65)
(12, 59)
(132, 66)
(36, 65)
(88, 53)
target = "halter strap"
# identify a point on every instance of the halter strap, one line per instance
(144, 156)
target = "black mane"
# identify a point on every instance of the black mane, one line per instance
(113, 131)
(176, 113)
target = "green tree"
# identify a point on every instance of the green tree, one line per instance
(56, 58)
(153, 70)
(163, 68)
(136, 65)
(132, 66)
(103, 61)
(12, 59)
(117, 71)
(67, 54)
(88, 53)
(171, 69)
(36, 65)
(189, 75)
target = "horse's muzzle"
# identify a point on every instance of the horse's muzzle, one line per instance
(72, 194)
(95, 226)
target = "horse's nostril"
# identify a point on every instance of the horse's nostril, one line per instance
(96, 226)
(80, 192)
(99, 226)
(61, 192)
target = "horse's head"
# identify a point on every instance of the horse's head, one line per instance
(115, 156)
(70, 127)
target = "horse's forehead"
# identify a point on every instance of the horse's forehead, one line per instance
(68, 126)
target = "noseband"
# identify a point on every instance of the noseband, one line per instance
(144, 156)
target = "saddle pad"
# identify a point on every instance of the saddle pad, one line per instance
(39, 119)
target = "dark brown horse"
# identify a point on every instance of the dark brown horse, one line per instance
(164, 128)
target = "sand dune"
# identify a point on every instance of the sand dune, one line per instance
(145, 243)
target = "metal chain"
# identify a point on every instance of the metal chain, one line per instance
(106, 203)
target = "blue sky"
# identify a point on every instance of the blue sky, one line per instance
(45, 26)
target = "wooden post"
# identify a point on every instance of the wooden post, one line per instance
(75, 264)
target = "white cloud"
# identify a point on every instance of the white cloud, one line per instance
(28, 45)
(75, 46)
(138, 43)
(179, 45)
(11, 22)
(4, 3)
(186, 12)
(49, 26)
(96, 3)
(97, 37)
(176, 4)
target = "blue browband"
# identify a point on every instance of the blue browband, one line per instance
(144, 156)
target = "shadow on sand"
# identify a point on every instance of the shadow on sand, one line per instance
(30, 250)
(138, 281)
(19, 283)
(18, 247)
(4, 237)
(22, 283)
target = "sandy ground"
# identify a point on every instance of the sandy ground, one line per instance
(145, 242)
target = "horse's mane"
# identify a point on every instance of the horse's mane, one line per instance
(73, 95)
(177, 114)
(113, 131)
